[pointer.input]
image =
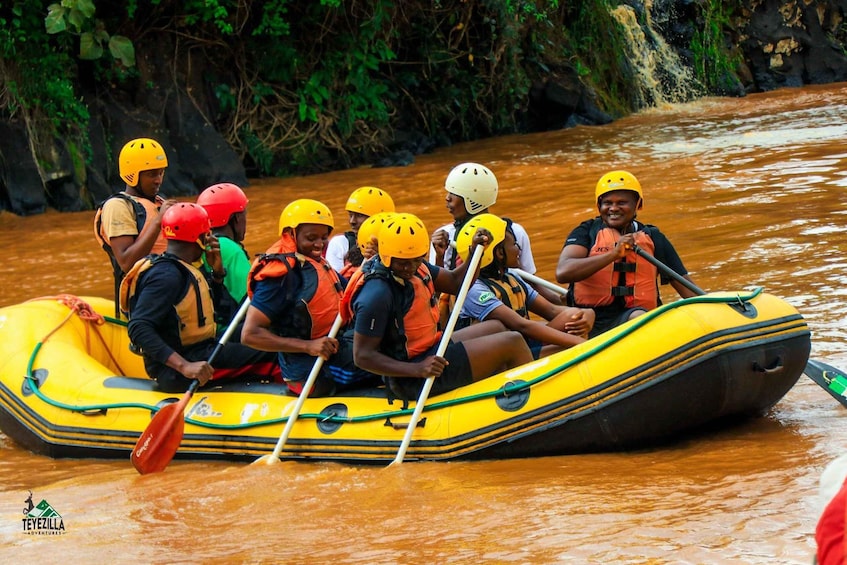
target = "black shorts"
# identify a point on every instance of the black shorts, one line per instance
(456, 374)
(534, 346)
(608, 318)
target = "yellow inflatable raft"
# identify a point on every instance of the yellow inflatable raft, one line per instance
(70, 387)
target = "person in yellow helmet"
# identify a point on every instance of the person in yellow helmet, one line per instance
(601, 265)
(393, 312)
(343, 252)
(498, 294)
(294, 297)
(128, 224)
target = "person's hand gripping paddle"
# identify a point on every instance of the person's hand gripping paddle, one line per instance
(158, 443)
(442, 347)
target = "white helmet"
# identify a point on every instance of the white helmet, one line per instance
(475, 183)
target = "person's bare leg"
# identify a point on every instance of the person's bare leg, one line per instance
(496, 353)
(481, 329)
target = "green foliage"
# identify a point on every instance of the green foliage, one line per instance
(38, 74)
(77, 18)
(714, 64)
(594, 43)
(304, 85)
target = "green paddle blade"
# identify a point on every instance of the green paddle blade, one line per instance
(829, 378)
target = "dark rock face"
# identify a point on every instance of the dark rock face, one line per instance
(795, 42)
(21, 188)
(198, 156)
(561, 101)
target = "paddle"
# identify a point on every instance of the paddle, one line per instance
(670, 272)
(304, 394)
(158, 443)
(442, 347)
(826, 376)
(539, 281)
(829, 378)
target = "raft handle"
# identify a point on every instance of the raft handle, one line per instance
(778, 367)
(94, 412)
(388, 422)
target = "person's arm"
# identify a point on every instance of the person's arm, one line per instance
(666, 253)
(450, 282)
(152, 322)
(128, 249)
(256, 331)
(575, 264)
(576, 321)
(367, 356)
(374, 311)
(440, 241)
(683, 290)
(532, 329)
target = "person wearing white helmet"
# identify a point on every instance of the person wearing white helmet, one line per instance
(471, 189)
(600, 262)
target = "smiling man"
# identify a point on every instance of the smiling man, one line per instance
(600, 262)
(294, 301)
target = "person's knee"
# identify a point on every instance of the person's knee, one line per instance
(635, 313)
(515, 345)
(494, 326)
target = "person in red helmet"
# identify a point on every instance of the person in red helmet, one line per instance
(600, 262)
(170, 304)
(127, 224)
(226, 205)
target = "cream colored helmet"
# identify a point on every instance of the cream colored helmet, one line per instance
(475, 183)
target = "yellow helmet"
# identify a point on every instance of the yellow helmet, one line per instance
(305, 211)
(138, 155)
(490, 222)
(370, 228)
(369, 200)
(404, 236)
(619, 180)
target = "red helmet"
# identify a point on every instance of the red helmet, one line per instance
(185, 222)
(221, 201)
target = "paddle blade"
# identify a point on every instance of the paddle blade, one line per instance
(158, 444)
(268, 459)
(829, 378)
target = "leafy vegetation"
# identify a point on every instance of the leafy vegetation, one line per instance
(715, 63)
(299, 86)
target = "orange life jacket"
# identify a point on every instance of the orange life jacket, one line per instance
(637, 287)
(415, 309)
(312, 287)
(196, 310)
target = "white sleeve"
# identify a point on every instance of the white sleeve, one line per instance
(336, 249)
(527, 263)
(451, 230)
